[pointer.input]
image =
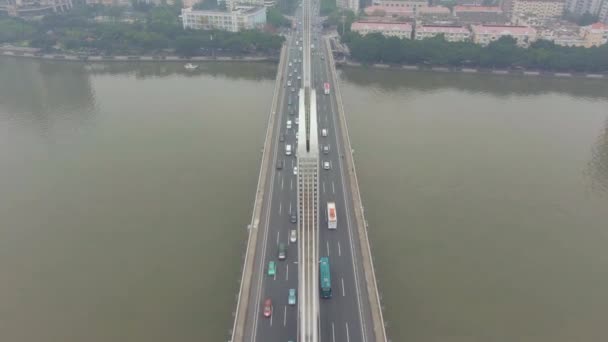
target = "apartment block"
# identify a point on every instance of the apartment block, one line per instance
(540, 8)
(450, 33)
(580, 7)
(485, 34)
(400, 30)
(25, 8)
(595, 34)
(414, 6)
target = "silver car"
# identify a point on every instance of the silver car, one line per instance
(326, 165)
(293, 236)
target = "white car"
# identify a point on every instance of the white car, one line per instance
(326, 165)
(299, 77)
(295, 170)
(324, 132)
(288, 124)
(293, 236)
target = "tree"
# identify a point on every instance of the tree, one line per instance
(275, 18)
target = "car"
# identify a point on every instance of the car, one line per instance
(289, 83)
(267, 308)
(272, 268)
(299, 77)
(280, 164)
(291, 299)
(326, 165)
(324, 132)
(295, 170)
(282, 251)
(326, 149)
(290, 64)
(293, 218)
(322, 57)
(297, 120)
(282, 137)
(293, 89)
(297, 135)
(288, 124)
(293, 236)
(289, 75)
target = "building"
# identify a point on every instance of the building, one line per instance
(413, 5)
(234, 4)
(352, 5)
(381, 11)
(473, 14)
(485, 34)
(580, 7)
(603, 14)
(435, 12)
(233, 21)
(400, 30)
(450, 33)
(540, 8)
(595, 34)
(26, 8)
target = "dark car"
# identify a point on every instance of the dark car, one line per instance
(282, 137)
(280, 164)
(293, 218)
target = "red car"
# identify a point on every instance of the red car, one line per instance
(267, 308)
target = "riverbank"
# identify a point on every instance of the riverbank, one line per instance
(517, 72)
(76, 58)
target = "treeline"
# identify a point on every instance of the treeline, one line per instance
(155, 30)
(503, 53)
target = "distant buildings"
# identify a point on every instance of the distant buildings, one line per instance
(595, 34)
(580, 7)
(400, 30)
(25, 8)
(539, 8)
(407, 5)
(473, 14)
(485, 34)
(233, 21)
(352, 5)
(450, 33)
(603, 14)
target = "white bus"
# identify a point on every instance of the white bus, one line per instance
(332, 217)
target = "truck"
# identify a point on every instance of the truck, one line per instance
(332, 217)
(326, 88)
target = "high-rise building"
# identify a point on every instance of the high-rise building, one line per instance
(539, 8)
(580, 7)
(352, 5)
(603, 14)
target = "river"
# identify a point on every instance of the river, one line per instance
(126, 189)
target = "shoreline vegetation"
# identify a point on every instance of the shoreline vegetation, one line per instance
(144, 30)
(541, 56)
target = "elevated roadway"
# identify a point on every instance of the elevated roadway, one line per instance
(353, 313)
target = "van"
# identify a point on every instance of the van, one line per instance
(288, 149)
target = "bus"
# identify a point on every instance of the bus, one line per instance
(332, 218)
(326, 88)
(324, 278)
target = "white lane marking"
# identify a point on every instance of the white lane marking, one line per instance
(271, 321)
(287, 272)
(333, 187)
(282, 181)
(278, 233)
(292, 163)
(275, 274)
(284, 315)
(291, 184)
(339, 251)
(343, 293)
(347, 334)
(290, 208)
(333, 332)
(323, 187)
(327, 248)
(280, 208)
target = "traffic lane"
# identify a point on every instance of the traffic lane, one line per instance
(270, 228)
(366, 313)
(345, 259)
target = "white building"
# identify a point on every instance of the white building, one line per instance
(400, 30)
(233, 21)
(24, 8)
(540, 8)
(485, 34)
(450, 33)
(409, 5)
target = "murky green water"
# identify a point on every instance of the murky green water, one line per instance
(125, 191)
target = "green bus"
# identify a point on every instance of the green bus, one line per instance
(325, 278)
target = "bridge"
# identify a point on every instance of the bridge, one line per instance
(307, 163)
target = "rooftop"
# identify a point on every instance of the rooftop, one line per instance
(442, 29)
(376, 26)
(475, 8)
(502, 30)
